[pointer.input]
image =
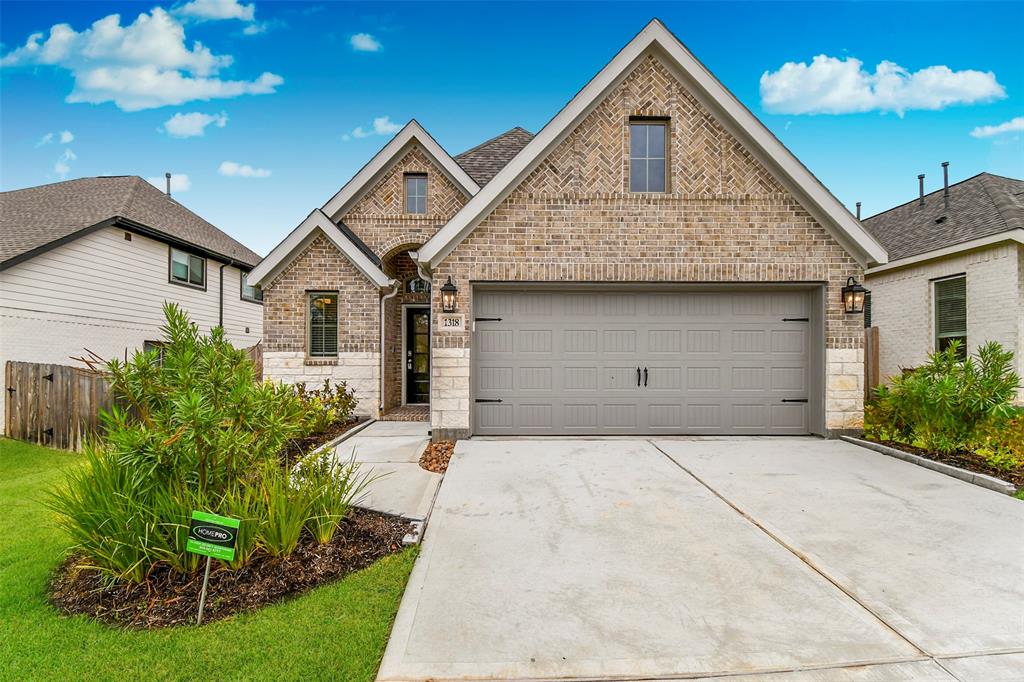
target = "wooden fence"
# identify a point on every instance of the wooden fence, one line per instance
(53, 405)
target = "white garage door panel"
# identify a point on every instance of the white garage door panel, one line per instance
(709, 362)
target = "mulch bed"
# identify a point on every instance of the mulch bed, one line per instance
(300, 447)
(169, 598)
(437, 455)
(963, 459)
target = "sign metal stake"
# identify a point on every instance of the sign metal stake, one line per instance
(202, 595)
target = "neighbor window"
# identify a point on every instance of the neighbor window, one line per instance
(323, 324)
(249, 291)
(188, 269)
(415, 193)
(157, 346)
(647, 156)
(951, 313)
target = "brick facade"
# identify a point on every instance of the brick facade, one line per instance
(724, 219)
(379, 217)
(402, 268)
(903, 305)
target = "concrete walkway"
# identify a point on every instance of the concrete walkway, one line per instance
(796, 560)
(392, 451)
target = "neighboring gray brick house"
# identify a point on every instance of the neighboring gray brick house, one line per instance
(652, 261)
(956, 272)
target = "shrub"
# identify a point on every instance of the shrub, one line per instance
(1002, 444)
(327, 405)
(944, 404)
(334, 489)
(196, 431)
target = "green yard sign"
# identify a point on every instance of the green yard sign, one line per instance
(212, 536)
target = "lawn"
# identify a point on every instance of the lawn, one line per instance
(334, 632)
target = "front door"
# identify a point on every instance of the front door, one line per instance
(417, 356)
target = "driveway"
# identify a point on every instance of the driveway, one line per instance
(815, 559)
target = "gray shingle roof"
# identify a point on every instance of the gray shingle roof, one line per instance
(483, 161)
(33, 217)
(979, 206)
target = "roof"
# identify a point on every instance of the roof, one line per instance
(980, 206)
(318, 222)
(411, 133)
(483, 161)
(31, 219)
(656, 39)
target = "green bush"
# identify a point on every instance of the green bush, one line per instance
(196, 431)
(947, 403)
(326, 406)
(334, 488)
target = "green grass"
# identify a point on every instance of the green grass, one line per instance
(335, 632)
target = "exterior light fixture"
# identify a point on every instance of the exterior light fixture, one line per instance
(449, 292)
(853, 297)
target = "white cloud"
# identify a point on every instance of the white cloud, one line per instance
(179, 183)
(240, 170)
(63, 165)
(382, 125)
(364, 42)
(193, 124)
(64, 137)
(213, 10)
(143, 65)
(829, 85)
(1014, 125)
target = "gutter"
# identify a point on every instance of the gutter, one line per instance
(1015, 235)
(383, 302)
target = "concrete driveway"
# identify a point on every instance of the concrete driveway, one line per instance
(772, 559)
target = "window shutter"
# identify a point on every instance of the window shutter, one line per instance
(951, 307)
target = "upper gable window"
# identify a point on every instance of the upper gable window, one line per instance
(415, 192)
(647, 156)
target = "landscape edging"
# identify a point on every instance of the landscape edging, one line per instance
(982, 480)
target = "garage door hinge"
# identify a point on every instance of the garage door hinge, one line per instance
(795, 319)
(794, 400)
(488, 400)
(487, 319)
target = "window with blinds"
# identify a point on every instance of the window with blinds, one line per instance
(951, 313)
(323, 324)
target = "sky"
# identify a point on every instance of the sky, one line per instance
(263, 110)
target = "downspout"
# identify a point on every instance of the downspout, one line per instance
(220, 303)
(383, 301)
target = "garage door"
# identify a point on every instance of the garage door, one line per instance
(631, 362)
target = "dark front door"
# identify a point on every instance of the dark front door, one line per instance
(417, 355)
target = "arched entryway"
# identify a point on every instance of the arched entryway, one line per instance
(406, 337)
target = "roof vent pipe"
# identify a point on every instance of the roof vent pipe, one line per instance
(858, 210)
(168, 176)
(945, 183)
(920, 189)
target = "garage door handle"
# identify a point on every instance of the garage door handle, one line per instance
(488, 400)
(795, 319)
(794, 400)
(645, 376)
(637, 376)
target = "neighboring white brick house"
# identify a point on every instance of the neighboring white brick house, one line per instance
(976, 234)
(80, 269)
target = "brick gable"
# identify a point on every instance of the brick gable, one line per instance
(378, 217)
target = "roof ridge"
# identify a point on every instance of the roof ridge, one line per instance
(130, 199)
(496, 137)
(928, 194)
(1009, 221)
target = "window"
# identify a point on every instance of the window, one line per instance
(415, 193)
(323, 324)
(647, 156)
(157, 346)
(951, 313)
(188, 269)
(416, 285)
(250, 292)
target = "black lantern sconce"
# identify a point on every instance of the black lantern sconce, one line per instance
(853, 297)
(449, 294)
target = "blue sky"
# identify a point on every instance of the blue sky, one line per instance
(294, 89)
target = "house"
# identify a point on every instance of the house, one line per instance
(956, 271)
(652, 261)
(88, 263)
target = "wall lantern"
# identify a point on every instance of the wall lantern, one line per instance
(853, 297)
(448, 294)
